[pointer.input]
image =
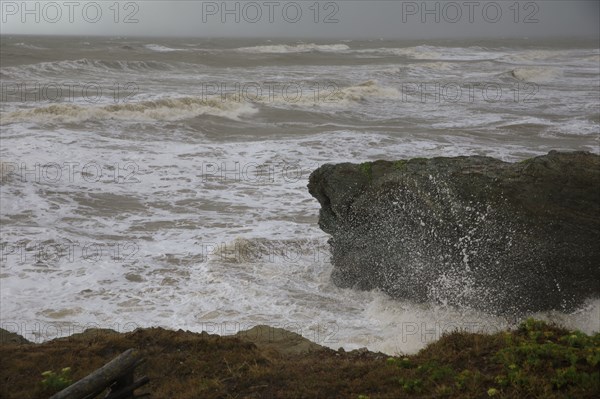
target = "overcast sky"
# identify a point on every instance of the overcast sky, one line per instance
(309, 19)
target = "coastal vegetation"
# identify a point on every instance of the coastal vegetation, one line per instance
(535, 360)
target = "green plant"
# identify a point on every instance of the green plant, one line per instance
(443, 390)
(571, 376)
(367, 169)
(576, 339)
(57, 381)
(399, 165)
(593, 356)
(538, 349)
(403, 363)
(501, 380)
(435, 372)
(462, 378)
(411, 385)
(532, 325)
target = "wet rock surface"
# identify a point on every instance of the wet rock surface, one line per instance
(505, 238)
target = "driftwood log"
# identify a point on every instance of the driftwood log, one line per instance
(116, 374)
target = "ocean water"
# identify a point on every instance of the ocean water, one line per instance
(162, 182)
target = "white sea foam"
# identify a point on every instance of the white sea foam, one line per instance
(299, 48)
(30, 46)
(162, 49)
(536, 56)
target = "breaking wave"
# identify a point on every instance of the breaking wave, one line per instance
(364, 91)
(162, 49)
(436, 53)
(539, 74)
(83, 65)
(340, 96)
(29, 46)
(300, 48)
(168, 109)
(534, 56)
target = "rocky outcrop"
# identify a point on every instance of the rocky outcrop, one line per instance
(9, 337)
(278, 340)
(505, 238)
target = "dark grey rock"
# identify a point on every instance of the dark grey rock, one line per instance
(467, 231)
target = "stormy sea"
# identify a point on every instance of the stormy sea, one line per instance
(162, 182)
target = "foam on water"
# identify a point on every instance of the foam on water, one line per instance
(87, 66)
(30, 46)
(538, 75)
(531, 56)
(336, 96)
(436, 53)
(218, 271)
(299, 48)
(161, 49)
(159, 110)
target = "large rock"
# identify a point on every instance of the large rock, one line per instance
(467, 231)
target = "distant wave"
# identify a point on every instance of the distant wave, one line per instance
(436, 53)
(168, 109)
(441, 66)
(300, 48)
(536, 74)
(83, 64)
(162, 49)
(534, 56)
(427, 67)
(593, 58)
(30, 46)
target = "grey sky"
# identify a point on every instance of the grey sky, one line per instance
(310, 19)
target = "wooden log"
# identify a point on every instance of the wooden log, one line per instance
(101, 378)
